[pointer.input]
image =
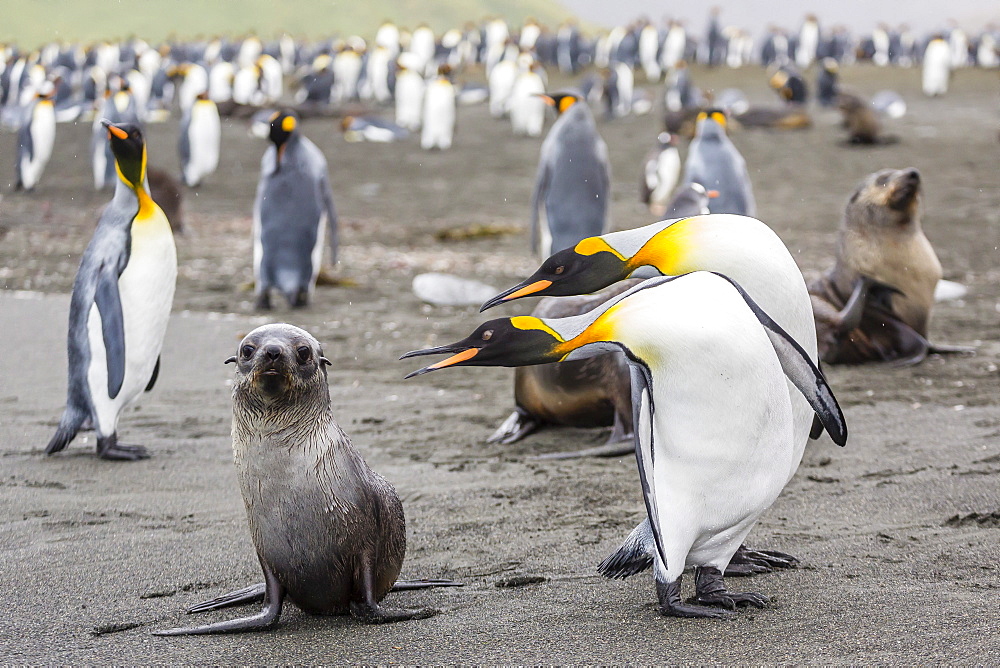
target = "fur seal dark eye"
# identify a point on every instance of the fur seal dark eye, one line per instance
(487, 335)
(247, 351)
(304, 354)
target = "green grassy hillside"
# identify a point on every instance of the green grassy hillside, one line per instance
(33, 22)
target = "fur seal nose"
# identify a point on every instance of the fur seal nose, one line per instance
(912, 174)
(273, 352)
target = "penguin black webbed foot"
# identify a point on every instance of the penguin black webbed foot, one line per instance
(376, 614)
(711, 590)
(767, 560)
(263, 302)
(109, 448)
(301, 299)
(669, 595)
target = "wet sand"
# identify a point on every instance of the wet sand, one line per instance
(897, 532)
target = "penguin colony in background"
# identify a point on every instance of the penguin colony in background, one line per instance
(709, 279)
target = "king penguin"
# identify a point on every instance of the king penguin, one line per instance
(198, 146)
(438, 129)
(714, 162)
(744, 249)
(573, 181)
(293, 212)
(936, 67)
(706, 362)
(120, 305)
(660, 174)
(35, 140)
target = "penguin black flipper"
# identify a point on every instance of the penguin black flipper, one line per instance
(109, 305)
(537, 197)
(156, 373)
(801, 371)
(642, 424)
(331, 217)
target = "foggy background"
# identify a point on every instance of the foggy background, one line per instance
(860, 16)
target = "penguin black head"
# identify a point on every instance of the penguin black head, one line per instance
(283, 126)
(517, 341)
(129, 148)
(589, 266)
(561, 101)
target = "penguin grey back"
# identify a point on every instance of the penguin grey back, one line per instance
(573, 180)
(717, 164)
(293, 201)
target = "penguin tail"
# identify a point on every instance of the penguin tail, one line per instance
(70, 423)
(634, 556)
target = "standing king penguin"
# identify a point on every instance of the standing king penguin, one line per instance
(198, 145)
(714, 162)
(120, 305)
(438, 129)
(35, 140)
(744, 249)
(573, 181)
(292, 214)
(706, 362)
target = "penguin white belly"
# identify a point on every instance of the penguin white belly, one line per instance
(409, 100)
(43, 134)
(146, 292)
(316, 257)
(439, 116)
(203, 137)
(722, 443)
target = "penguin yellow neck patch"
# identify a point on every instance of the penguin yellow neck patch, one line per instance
(670, 249)
(288, 123)
(592, 245)
(565, 103)
(525, 322)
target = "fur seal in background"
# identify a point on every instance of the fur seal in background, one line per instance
(166, 192)
(329, 531)
(875, 304)
(594, 392)
(860, 120)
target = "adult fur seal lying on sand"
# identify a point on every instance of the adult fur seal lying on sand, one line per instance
(875, 304)
(329, 531)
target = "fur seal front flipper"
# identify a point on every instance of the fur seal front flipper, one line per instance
(255, 593)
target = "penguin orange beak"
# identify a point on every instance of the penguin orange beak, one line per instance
(460, 356)
(114, 130)
(516, 292)
(712, 194)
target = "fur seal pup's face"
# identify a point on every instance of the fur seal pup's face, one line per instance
(889, 198)
(278, 360)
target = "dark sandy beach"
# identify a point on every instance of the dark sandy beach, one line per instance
(898, 533)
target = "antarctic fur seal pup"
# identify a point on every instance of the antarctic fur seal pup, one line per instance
(861, 121)
(875, 304)
(593, 392)
(329, 531)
